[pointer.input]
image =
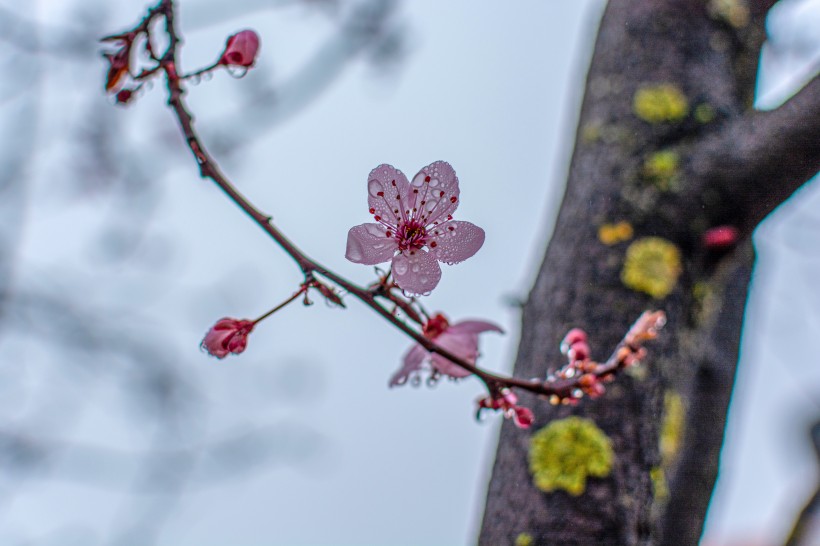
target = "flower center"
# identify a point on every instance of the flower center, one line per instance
(411, 236)
(435, 326)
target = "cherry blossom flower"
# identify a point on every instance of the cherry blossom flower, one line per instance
(241, 49)
(412, 216)
(227, 336)
(508, 403)
(460, 338)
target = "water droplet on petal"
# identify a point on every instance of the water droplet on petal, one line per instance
(375, 230)
(415, 268)
(399, 265)
(374, 187)
(434, 182)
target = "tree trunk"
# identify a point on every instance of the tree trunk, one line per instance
(668, 143)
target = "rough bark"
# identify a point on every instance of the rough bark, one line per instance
(733, 169)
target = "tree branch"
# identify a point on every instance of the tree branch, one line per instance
(758, 161)
(566, 386)
(809, 517)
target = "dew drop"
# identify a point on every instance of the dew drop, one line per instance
(374, 187)
(418, 180)
(415, 268)
(374, 229)
(399, 266)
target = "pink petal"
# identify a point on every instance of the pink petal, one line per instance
(412, 363)
(464, 346)
(369, 244)
(387, 194)
(453, 242)
(473, 327)
(434, 193)
(416, 271)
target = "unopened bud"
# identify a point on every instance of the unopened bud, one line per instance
(241, 49)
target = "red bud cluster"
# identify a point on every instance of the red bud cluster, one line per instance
(507, 402)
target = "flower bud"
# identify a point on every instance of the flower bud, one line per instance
(573, 336)
(578, 351)
(227, 336)
(720, 237)
(241, 49)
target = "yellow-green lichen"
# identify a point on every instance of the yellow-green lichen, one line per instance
(660, 489)
(611, 234)
(566, 452)
(591, 132)
(704, 113)
(669, 443)
(660, 103)
(706, 301)
(734, 12)
(524, 539)
(652, 265)
(661, 168)
(672, 427)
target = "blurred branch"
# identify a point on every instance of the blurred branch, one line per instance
(366, 29)
(807, 525)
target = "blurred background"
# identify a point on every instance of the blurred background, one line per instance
(115, 258)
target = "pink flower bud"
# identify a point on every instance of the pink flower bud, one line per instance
(720, 238)
(241, 49)
(124, 96)
(578, 351)
(227, 336)
(573, 336)
(523, 417)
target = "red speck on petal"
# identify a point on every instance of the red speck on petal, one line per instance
(380, 194)
(441, 194)
(377, 218)
(372, 210)
(453, 199)
(433, 244)
(720, 238)
(426, 178)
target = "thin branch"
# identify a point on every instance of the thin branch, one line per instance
(565, 386)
